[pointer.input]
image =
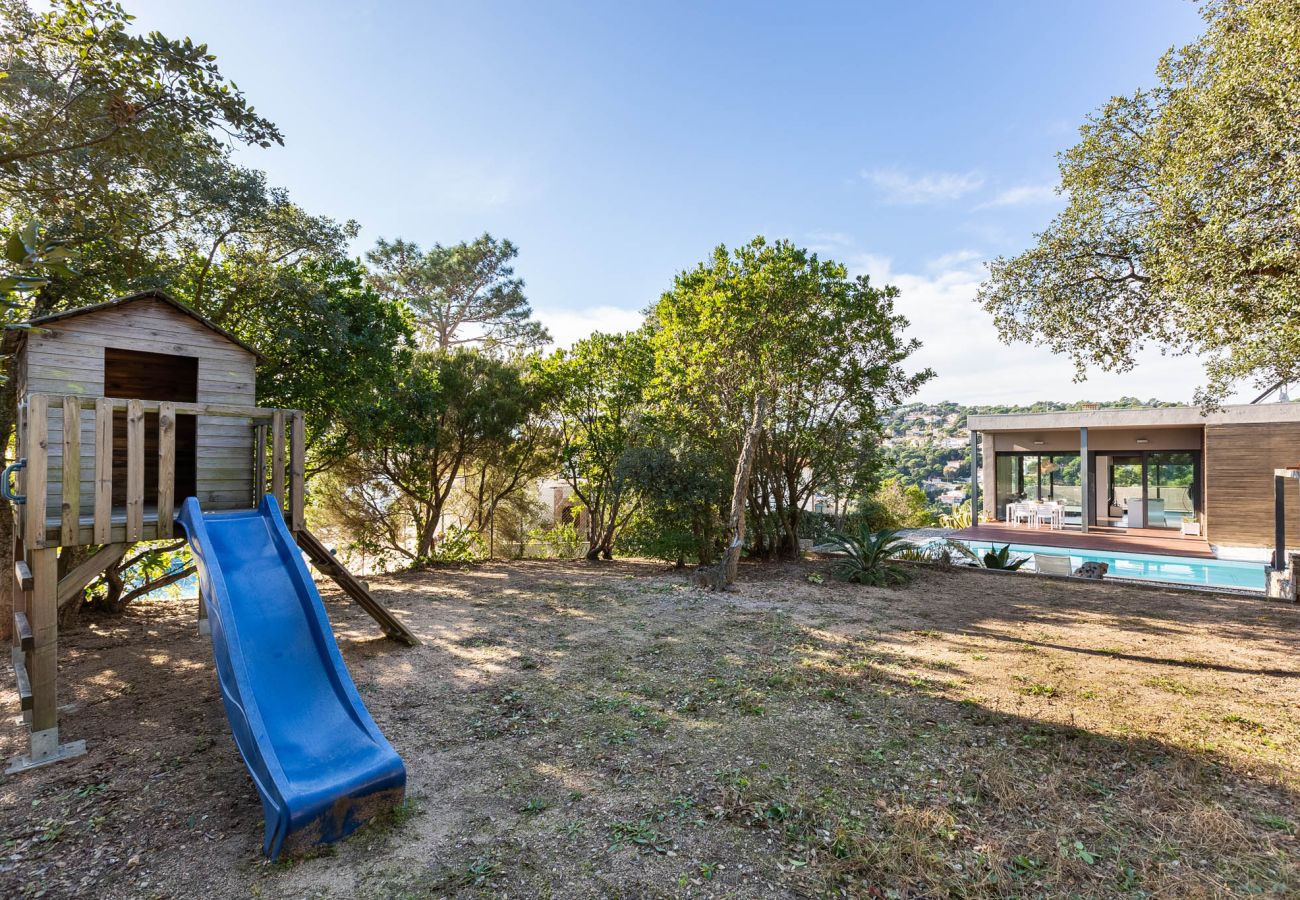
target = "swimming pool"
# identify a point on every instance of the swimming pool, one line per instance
(1223, 573)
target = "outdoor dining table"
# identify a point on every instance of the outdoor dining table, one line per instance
(1035, 514)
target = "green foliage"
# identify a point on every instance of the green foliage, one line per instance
(899, 505)
(562, 541)
(960, 517)
(598, 389)
(867, 557)
(31, 261)
(412, 442)
(460, 295)
(1001, 559)
(680, 495)
(771, 327)
(455, 544)
(1180, 228)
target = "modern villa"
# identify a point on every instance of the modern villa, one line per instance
(1161, 480)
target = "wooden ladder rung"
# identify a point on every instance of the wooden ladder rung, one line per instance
(23, 629)
(23, 574)
(24, 683)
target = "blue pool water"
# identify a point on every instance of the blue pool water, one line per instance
(1224, 573)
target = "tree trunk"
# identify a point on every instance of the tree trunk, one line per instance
(740, 492)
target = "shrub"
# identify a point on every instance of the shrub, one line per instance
(456, 544)
(868, 557)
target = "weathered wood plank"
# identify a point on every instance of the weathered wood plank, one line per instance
(103, 470)
(70, 487)
(23, 575)
(134, 470)
(23, 631)
(259, 464)
(37, 473)
(22, 681)
(45, 635)
(325, 562)
(166, 468)
(72, 584)
(297, 472)
(277, 456)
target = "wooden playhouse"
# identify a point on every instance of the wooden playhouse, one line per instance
(125, 408)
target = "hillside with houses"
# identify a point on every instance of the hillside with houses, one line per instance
(928, 444)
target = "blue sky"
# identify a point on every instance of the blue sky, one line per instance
(617, 143)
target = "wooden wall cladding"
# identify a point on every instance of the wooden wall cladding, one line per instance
(1239, 464)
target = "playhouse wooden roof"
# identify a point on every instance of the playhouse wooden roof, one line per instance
(15, 332)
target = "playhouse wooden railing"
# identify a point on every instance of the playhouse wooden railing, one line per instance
(67, 526)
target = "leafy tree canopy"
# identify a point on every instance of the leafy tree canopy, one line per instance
(1182, 228)
(463, 294)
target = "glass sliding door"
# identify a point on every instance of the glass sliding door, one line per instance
(1039, 478)
(1008, 482)
(1171, 488)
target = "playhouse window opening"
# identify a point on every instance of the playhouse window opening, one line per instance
(136, 375)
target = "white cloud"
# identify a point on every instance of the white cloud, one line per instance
(571, 325)
(960, 343)
(904, 189)
(1023, 195)
(954, 260)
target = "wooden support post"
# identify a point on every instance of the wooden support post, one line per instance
(277, 456)
(297, 472)
(75, 581)
(44, 666)
(103, 528)
(70, 489)
(166, 468)
(325, 563)
(37, 470)
(44, 619)
(134, 470)
(259, 463)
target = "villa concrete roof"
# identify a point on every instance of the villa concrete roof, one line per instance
(1144, 417)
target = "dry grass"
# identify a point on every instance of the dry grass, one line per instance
(604, 730)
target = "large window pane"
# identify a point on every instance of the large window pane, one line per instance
(1171, 479)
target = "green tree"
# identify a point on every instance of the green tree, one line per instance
(1182, 227)
(599, 388)
(750, 344)
(900, 505)
(463, 294)
(412, 445)
(681, 494)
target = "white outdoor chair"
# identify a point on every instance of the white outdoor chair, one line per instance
(1051, 564)
(1018, 511)
(1045, 512)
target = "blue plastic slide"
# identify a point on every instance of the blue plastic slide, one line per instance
(316, 756)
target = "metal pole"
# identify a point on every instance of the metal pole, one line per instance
(1279, 523)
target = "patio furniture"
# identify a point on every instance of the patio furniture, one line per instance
(1047, 512)
(1051, 564)
(1018, 511)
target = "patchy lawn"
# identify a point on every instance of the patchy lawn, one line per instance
(602, 729)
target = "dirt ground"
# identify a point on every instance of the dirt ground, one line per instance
(603, 730)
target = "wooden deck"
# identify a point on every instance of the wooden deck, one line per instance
(1129, 540)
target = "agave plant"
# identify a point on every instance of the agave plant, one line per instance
(993, 559)
(868, 557)
(1001, 559)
